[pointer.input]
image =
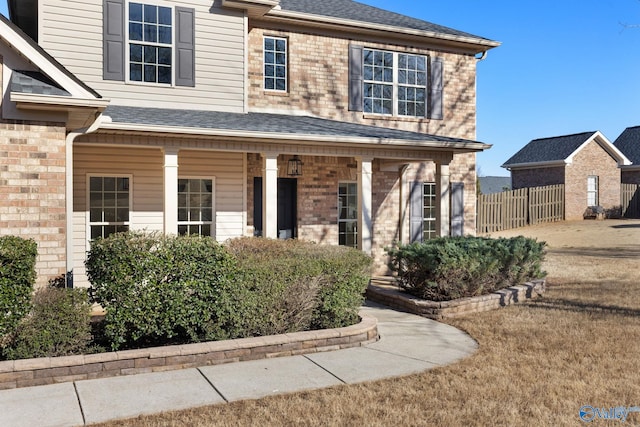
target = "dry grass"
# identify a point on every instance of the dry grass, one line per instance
(538, 363)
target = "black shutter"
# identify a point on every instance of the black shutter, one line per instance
(355, 78)
(185, 47)
(113, 40)
(416, 212)
(436, 71)
(457, 208)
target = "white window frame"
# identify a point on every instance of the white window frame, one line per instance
(395, 83)
(88, 222)
(592, 193)
(349, 220)
(286, 65)
(211, 223)
(128, 42)
(429, 232)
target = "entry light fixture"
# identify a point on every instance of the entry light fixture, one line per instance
(294, 166)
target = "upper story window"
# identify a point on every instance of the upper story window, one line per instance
(394, 83)
(150, 43)
(275, 63)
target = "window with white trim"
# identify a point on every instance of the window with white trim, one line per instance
(275, 63)
(150, 50)
(348, 214)
(394, 83)
(109, 202)
(195, 206)
(592, 190)
(429, 211)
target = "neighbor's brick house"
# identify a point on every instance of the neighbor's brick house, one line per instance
(206, 111)
(629, 144)
(587, 164)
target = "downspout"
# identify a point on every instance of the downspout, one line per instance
(71, 136)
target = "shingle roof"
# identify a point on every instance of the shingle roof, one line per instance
(352, 10)
(266, 123)
(494, 184)
(35, 82)
(629, 143)
(549, 149)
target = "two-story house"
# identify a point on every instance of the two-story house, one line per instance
(331, 121)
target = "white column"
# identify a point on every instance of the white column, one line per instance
(171, 190)
(365, 201)
(443, 195)
(270, 195)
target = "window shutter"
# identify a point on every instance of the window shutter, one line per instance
(355, 78)
(416, 212)
(185, 47)
(113, 42)
(435, 89)
(457, 208)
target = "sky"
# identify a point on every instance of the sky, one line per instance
(564, 67)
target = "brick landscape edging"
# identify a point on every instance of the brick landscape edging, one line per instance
(387, 293)
(50, 370)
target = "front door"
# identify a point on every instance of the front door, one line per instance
(287, 207)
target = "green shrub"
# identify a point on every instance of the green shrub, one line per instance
(158, 289)
(293, 285)
(58, 325)
(456, 267)
(17, 277)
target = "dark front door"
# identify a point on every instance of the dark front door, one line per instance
(287, 211)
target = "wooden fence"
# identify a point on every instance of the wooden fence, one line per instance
(518, 208)
(630, 200)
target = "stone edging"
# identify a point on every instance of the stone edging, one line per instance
(387, 293)
(50, 370)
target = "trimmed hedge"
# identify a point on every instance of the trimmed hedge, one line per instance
(455, 267)
(17, 278)
(58, 325)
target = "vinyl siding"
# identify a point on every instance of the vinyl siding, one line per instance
(71, 31)
(145, 166)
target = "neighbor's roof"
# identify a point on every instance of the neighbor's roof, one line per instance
(629, 143)
(494, 184)
(352, 10)
(270, 125)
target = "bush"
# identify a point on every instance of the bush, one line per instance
(58, 325)
(158, 289)
(293, 285)
(456, 267)
(17, 277)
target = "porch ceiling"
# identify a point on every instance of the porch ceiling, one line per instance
(275, 128)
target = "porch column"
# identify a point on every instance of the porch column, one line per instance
(270, 195)
(365, 211)
(443, 196)
(171, 190)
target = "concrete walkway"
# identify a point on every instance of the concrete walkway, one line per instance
(408, 344)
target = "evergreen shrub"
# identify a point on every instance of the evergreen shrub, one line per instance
(17, 278)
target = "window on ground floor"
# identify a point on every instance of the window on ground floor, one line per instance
(592, 190)
(429, 211)
(195, 206)
(348, 214)
(109, 202)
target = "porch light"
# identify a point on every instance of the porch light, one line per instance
(294, 166)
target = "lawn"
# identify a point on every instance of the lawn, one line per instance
(538, 362)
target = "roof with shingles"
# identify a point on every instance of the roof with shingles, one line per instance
(352, 10)
(549, 149)
(267, 123)
(629, 143)
(35, 82)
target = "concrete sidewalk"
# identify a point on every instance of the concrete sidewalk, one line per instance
(408, 344)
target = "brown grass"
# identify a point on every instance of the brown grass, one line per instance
(538, 363)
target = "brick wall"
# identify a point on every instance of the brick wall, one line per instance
(630, 177)
(591, 160)
(32, 190)
(539, 177)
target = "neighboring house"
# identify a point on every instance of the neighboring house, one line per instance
(494, 184)
(586, 163)
(629, 144)
(331, 121)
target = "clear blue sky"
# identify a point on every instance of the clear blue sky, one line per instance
(565, 66)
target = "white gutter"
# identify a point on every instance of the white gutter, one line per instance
(69, 196)
(546, 164)
(56, 102)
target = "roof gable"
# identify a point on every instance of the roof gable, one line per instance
(560, 150)
(629, 143)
